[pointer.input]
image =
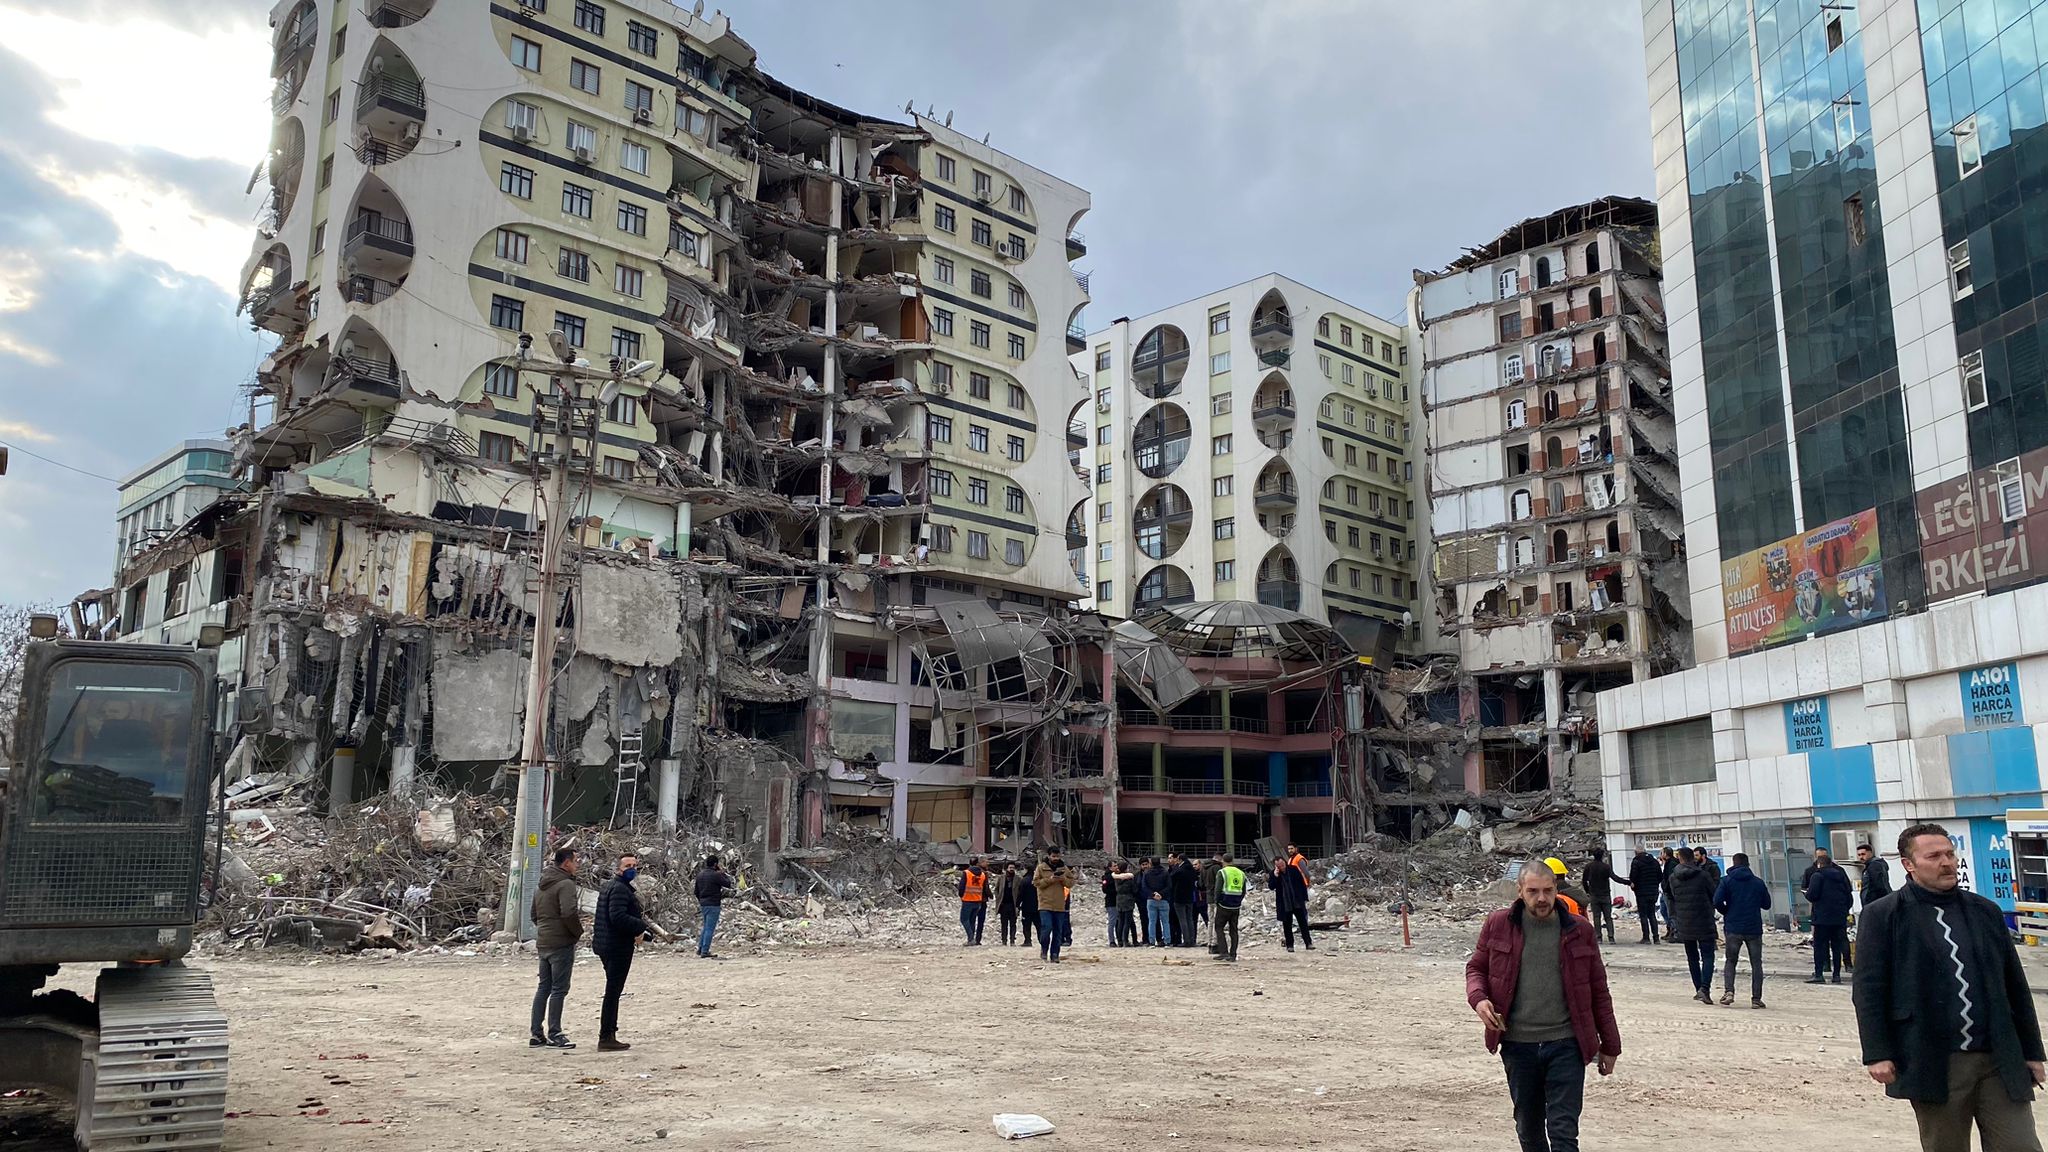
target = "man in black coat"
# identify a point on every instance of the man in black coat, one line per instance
(1692, 919)
(1828, 890)
(1599, 877)
(618, 925)
(1646, 877)
(1290, 902)
(1943, 1008)
(1877, 875)
(1181, 881)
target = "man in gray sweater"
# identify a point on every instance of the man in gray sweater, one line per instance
(558, 925)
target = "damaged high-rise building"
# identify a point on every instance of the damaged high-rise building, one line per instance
(1555, 533)
(801, 373)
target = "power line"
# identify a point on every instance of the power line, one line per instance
(58, 463)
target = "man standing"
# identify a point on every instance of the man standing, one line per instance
(1053, 881)
(1647, 879)
(1009, 894)
(1599, 876)
(1230, 885)
(1181, 881)
(1109, 901)
(618, 926)
(1741, 899)
(1827, 889)
(1125, 882)
(973, 900)
(1877, 875)
(1152, 886)
(1943, 1008)
(1669, 863)
(1692, 920)
(1027, 902)
(711, 886)
(1290, 899)
(1542, 965)
(557, 925)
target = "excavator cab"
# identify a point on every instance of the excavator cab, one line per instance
(102, 841)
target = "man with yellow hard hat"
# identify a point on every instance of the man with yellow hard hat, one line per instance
(1569, 894)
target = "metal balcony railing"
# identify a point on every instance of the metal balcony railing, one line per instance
(1248, 788)
(1158, 517)
(297, 39)
(1273, 324)
(1081, 278)
(379, 232)
(365, 289)
(1272, 410)
(394, 93)
(1077, 336)
(391, 14)
(1077, 246)
(1309, 788)
(369, 374)
(1302, 727)
(1280, 594)
(1257, 724)
(1195, 787)
(1275, 494)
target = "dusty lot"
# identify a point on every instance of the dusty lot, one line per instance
(1356, 1045)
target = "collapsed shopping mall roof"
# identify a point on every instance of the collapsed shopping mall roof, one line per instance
(1242, 628)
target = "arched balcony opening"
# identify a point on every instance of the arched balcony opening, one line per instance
(1077, 541)
(1160, 522)
(271, 297)
(376, 247)
(1162, 586)
(1273, 411)
(1078, 425)
(1279, 582)
(1160, 442)
(292, 55)
(363, 371)
(1275, 490)
(391, 106)
(398, 13)
(1272, 323)
(286, 167)
(1160, 361)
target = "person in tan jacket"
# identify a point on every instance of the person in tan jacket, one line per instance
(1053, 880)
(557, 925)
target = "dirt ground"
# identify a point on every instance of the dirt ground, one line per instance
(1359, 1044)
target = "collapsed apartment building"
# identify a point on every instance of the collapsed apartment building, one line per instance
(1553, 491)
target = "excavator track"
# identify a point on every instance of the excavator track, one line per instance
(158, 1076)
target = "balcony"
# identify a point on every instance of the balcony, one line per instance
(1077, 247)
(1273, 326)
(1081, 278)
(1273, 413)
(368, 377)
(1298, 789)
(1275, 496)
(398, 95)
(398, 13)
(1077, 336)
(361, 289)
(371, 230)
(1280, 594)
(1275, 357)
(295, 44)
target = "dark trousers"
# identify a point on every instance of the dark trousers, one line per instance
(1126, 925)
(1830, 948)
(1052, 932)
(1184, 925)
(1226, 925)
(1029, 918)
(1976, 1096)
(1699, 960)
(616, 966)
(1756, 965)
(1602, 909)
(556, 964)
(973, 914)
(1288, 920)
(1547, 1083)
(1646, 911)
(1008, 918)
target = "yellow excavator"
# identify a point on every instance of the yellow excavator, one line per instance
(103, 824)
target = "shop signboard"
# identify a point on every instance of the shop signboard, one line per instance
(1820, 581)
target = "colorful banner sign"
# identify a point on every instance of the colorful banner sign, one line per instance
(1975, 529)
(1817, 582)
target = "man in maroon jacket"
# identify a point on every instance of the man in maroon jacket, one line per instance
(1539, 988)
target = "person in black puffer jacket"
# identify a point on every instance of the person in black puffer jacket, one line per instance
(1692, 920)
(618, 925)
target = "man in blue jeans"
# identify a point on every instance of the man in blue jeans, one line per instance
(1054, 884)
(1152, 886)
(712, 885)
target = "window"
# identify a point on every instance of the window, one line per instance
(977, 545)
(340, 43)
(1351, 494)
(1344, 334)
(508, 313)
(1969, 149)
(947, 168)
(1102, 474)
(1323, 362)
(628, 281)
(978, 333)
(982, 234)
(1351, 414)
(520, 114)
(1016, 397)
(590, 17)
(642, 39)
(1975, 394)
(326, 171)
(639, 97)
(1518, 411)
(984, 185)
(1013, 552)
(1511, 373)
(618, 468)
(1355, 574)
(1959, 270)
(942, 375)
(1220, 446)
(494, 446)
(1511, 326)
(582, 139)
(1219, 323)
(1105, 435)
(1219, 363)
(1017, 199)
(942, 538)
(502, 380)
(583, 76)
(333, 107)
(1510, 283)
(574, 265)
(1105, 552)
(1375, 544)
(1016, 295)
(1834, 29)
(1226, 528)
(1221, 486)
(690, 122)
(571, 327)
(1102, 365)
(320, 236)
(942, 219)
(1348, 374)
(977, 491)
(941, 429)
(681, 239)
(942, 269)
(942, 483)
(1351, 536)
(1845, 123)
(576, 200)
(1681, 753)
(2012, 492)
(978, 385)
(978, 282)
(1219, 405)
(1351, 455)
(1015, 448)
(1323, 327)
(1105, 512)
(632, 218)
(623, 410)
(1852, 219)
(942, 321)
(1102, 591)
(977, 437)
(633, 157)
(1016, 346)
(525, 54)
(1016, 246)
(1013, 499)
(625, 345)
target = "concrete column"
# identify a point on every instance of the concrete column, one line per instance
(1159, 828)
(1041, 827)
(1228, 768)
(899, 811)
(404, 758)
(1279, 830)
(1112, 780)
(1159, 767)
(341, 779)
(814, 813)
(1230, 832)
(1468, 714)
(977, 830)
(668, 793)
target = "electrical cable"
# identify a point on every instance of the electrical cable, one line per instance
(58, 463)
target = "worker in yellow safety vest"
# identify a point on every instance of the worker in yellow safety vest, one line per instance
(973, 900)
(1230, 885)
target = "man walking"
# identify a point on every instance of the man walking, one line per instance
(710, 889)
(1599, 876)
(1538, 986)
(557, 926)
(1827, 889)
(1943, 1008)
(619, 924)
(1053, 881)
(973, 900)
(1647, 880)
(1692, 920)
(1290, 899)
(1741, 899)
(1009, 896)
(1152, 886)
(1877, 875)
(1230, 885)
(1181, 881)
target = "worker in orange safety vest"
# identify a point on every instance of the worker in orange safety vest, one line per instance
(973, 900)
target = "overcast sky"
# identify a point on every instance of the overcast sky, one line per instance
(1340, 142)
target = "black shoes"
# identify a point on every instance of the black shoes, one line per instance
(612, 1045)
(1819, 980)
(551, 1042)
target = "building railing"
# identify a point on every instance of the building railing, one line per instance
(393, 92)
(1276, 410)
(297, 39)
(1272, 323)
(1077, 245)
(1248, 788)
(1195, 787)
(1142, 603)
(364, 289)
(1081, 278)
(1308, 788)
(1302, 727)
(1076, 334)
(396, 235)
(1280, 594)
(391, 14)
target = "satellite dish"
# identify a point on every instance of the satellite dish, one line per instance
(376, 65)
(949, 117)
(698, 12)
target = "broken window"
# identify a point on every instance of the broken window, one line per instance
(1959, 270)
(1834, 30)
(619, 468)
(1852, 220)
(1975, 393)
(1510, 283)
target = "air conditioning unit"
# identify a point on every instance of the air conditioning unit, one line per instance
(1843, 842)
(1102, 405)
(643, 115)
(582, 155)
(522, 133)
(412, 131)
(1571, 554)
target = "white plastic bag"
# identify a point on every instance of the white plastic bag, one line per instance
(1019, 1125)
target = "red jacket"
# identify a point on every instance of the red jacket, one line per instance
(1496, 966)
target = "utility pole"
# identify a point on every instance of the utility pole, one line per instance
(571, 419)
